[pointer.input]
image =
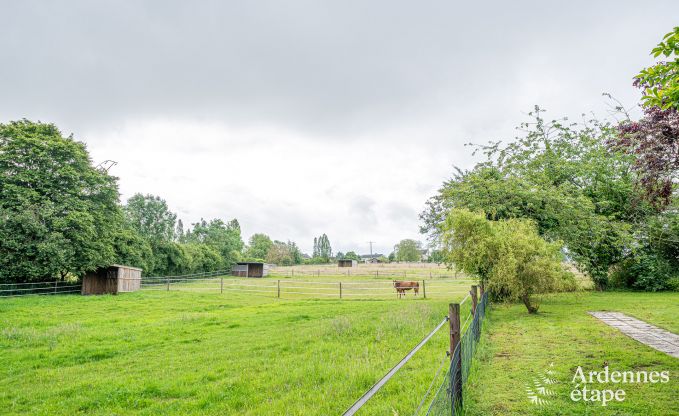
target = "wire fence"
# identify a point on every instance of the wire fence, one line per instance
(39, 288)
(449, 396)
(294, 289)
(431, 273)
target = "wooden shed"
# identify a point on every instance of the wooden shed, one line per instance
(250, 269)
(346, 263)
(113, 279)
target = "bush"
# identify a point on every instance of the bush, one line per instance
(644, 271)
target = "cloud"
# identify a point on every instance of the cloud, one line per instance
(306, 117)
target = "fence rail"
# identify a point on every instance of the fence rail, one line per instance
(371, 289)
(448, 398)
(39, 288)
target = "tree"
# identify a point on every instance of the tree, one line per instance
(660, 82)
(132, 249)
(201, 258)
(58, 212)
(150, 216)
(322, 248)
(408, 250)
(563, 176)
(224, 238)
(509, 257)
(284, 254)
(259, 246)
(351, 255)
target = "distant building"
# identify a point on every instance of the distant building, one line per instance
(113, 279)
(371, 258)
(346, 263)
(250, 269)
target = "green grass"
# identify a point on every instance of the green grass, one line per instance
(516, 347)
(184, 352)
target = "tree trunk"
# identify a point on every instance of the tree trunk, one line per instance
(526, 301)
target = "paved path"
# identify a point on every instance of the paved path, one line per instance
(650, 335)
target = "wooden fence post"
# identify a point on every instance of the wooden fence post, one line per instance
(221, 286)
(55, 286)
(424, 289)
(279, 289)
(455, 379)
(475, 299)
(168, 284)
(340, 286)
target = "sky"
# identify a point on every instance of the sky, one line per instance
(306, 117)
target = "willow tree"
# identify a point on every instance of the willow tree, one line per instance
(508, 256)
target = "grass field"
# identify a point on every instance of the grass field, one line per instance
(516, 348)
(185, 352)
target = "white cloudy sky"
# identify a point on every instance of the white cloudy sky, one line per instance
(304, 117)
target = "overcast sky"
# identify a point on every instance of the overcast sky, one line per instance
(307, 117)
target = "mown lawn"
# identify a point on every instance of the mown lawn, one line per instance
(151, 353)
(517, 348)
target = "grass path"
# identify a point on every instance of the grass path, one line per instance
(518, 348)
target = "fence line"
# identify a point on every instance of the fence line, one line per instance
(33, 288)
(372, 289)
(381, 382)
(449, 397)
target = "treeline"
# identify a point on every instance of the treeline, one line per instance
(60, 217)
(604, 191)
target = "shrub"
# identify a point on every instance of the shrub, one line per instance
(509, 256)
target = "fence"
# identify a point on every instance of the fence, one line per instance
(294, 289)
(38, 288)
(448, 398)
(432, 273)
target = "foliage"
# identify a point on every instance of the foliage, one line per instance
(284, 254)
(201, 258)
(259, 246)
(351, 255)
(436, 256)
(564, 177)
(653, 141)
(661, 81)
(58, 213)
(408, 250)
(322, 248)
(132, 249)
(509, 256)
(225, 238)
(150, 216)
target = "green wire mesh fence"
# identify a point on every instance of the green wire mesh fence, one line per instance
(448, 398)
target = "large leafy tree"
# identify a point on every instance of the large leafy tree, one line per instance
(150, 216)
(408, 250)
(284, 254)
(225, 238)
(259, 246)
(564, 177)
(58, 212)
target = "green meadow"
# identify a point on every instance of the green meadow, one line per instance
(189, 352)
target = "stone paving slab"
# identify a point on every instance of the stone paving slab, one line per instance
(641, 331)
